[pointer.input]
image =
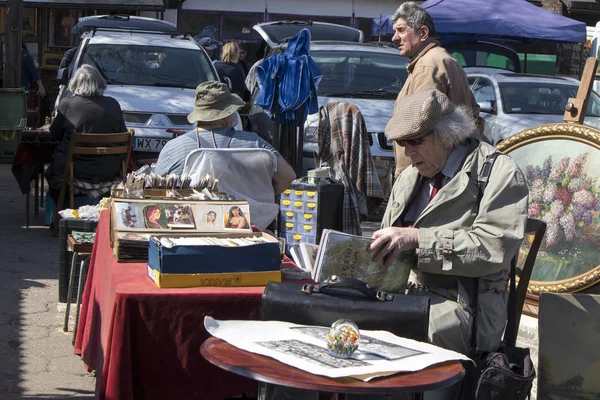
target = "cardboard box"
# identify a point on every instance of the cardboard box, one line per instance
(220, 280)
(213, 265)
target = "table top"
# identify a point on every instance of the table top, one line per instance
(269, 370)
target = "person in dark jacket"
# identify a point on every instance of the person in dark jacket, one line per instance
(228, 67)
(29, 72)
(88, 111)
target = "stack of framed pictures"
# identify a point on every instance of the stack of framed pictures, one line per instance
(133, 221)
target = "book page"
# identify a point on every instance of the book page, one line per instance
(343, 254)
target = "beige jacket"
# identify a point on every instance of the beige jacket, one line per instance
(482, 244)
(476, 243)
(433, 67)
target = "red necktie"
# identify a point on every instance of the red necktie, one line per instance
(437, 185)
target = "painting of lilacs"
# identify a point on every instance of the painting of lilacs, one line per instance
(563, 195)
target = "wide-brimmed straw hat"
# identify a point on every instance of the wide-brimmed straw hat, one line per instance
(415, 115)
(214, 101)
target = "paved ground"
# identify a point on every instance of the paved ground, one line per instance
(36, 356)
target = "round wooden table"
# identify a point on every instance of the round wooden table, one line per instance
(269, 370)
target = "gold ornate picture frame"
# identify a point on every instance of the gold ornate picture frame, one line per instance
(561, 163)
(51, 59)
(29, 21)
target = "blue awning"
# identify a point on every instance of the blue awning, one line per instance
(511, 19)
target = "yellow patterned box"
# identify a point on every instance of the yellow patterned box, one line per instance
(219, 280)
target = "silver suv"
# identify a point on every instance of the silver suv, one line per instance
(153, 75)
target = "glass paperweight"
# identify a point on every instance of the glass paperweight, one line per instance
(342, 338)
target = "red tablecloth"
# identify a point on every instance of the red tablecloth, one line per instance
(144, 341)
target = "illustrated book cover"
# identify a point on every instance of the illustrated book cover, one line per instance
(343, 254)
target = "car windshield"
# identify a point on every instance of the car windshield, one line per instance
(542, 98)
(360, 74)
(149, 65)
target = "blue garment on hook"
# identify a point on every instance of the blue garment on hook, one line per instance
(297, 77)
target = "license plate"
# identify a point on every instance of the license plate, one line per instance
(149, 144)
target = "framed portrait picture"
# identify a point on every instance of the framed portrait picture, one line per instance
(61, 22)
(561, 164)
(236, 217)
(51, 59)
(29, 21)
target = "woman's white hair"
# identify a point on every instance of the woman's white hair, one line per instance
(87, 82)
(455, 127)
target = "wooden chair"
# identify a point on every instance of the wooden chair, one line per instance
(91, 144)
(536, 228)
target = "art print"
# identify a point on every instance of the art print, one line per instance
(128, 215)
(311, 353)
(180, 216)
(210, 216)
(155, 216)
(237, 217)
(569, 347)
(563, 175)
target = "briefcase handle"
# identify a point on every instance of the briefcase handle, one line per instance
(342, 282)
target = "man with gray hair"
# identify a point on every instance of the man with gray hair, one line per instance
(431, 66)
(458, 230)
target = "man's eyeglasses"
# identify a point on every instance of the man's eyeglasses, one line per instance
(410, 142)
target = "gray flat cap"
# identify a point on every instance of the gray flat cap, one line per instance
(415, 115)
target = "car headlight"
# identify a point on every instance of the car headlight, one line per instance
(311, 134)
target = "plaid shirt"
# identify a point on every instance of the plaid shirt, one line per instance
(93, 190)
(344, 145)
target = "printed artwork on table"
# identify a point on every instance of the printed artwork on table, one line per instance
(180, 216)
(237, 217)
(210, 216)
(155, 216)
(562, 171)
(129, 215)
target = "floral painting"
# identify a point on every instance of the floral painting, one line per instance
(564, 191)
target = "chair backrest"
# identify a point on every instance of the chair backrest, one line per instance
(246, 174)
(105, 144)
(534, 234)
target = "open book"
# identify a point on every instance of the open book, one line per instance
(347, 255)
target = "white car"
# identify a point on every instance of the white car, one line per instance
(369, 75)
(510, 102)
(153, 76)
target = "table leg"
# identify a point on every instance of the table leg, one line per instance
(42, 179)
(328, 396)
(70, 292)
(27, 210)
(82, 278)
(36, 205)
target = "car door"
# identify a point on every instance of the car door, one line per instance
(485, 95)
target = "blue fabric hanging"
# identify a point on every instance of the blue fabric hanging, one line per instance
(297, 77)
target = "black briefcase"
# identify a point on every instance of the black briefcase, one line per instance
(339, 297)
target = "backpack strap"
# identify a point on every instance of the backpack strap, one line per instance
(482, 181)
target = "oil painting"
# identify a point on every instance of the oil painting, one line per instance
(563, 175)
(569, 347)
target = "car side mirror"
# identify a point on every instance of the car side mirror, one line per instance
(486, 106)
(62, 76)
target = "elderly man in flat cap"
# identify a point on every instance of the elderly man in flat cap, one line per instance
(458, 229)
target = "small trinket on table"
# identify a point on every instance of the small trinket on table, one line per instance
(342, 338)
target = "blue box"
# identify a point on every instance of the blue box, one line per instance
(189, 266)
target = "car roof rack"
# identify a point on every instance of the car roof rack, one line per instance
(95, 29)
